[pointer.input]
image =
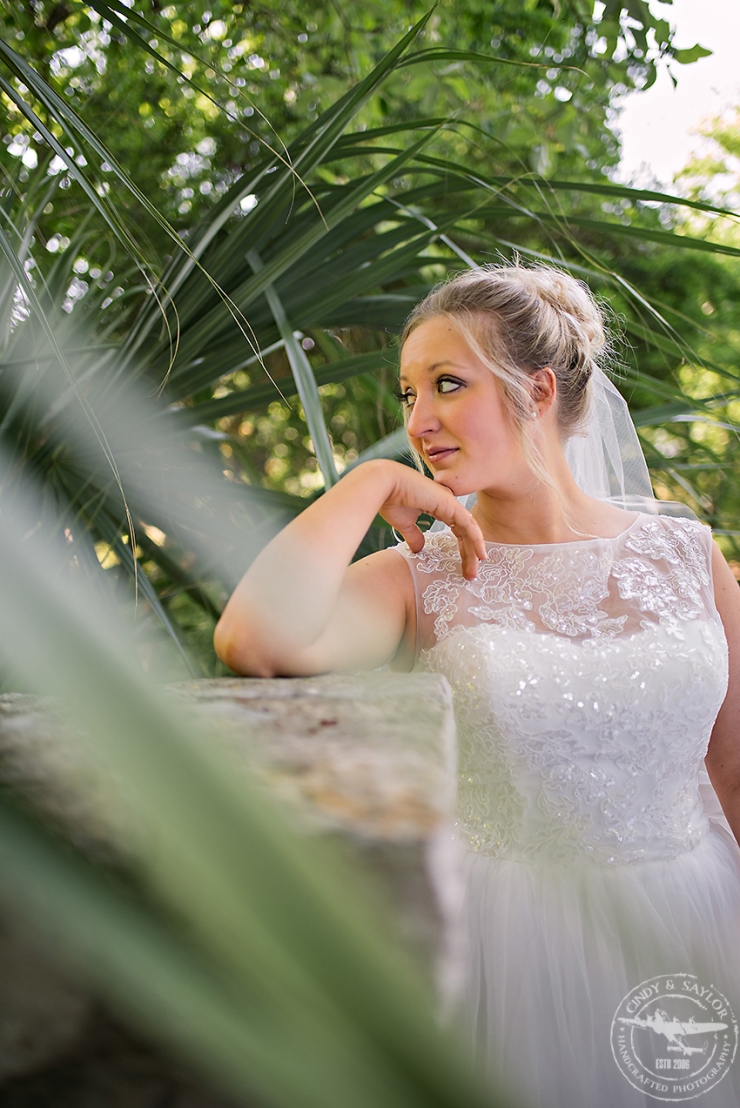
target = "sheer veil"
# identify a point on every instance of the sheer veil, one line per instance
(606, 458)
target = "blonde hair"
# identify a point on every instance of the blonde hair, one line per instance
(519, 319)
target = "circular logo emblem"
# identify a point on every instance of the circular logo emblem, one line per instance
(673, 1037)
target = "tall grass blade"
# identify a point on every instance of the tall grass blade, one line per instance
(304, 380)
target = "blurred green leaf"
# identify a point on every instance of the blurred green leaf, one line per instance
(685, 57)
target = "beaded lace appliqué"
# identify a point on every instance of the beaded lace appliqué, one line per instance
(676, 595)
(587, 677)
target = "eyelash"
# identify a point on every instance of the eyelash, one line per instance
(405, 397)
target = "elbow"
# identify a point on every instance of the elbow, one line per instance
(239, 654)
(225, 646)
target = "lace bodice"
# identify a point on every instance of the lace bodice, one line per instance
(587, 677)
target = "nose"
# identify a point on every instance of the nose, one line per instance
(422, 419)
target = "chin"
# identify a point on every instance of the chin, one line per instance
(457, 485)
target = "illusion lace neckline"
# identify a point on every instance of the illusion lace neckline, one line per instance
(570, 542)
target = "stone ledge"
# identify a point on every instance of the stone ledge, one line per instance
(370, 756)
(367, 759)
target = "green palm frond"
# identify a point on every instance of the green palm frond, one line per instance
(340, 254)
(255, 951)
(136, 424)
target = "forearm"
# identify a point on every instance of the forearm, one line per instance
(286, 599)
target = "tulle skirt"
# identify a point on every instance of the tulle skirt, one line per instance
(549, 960)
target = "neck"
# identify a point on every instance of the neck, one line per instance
(530, 512)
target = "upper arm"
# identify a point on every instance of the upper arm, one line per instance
(723, 756)
(373, 622)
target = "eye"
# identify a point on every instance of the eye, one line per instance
(406, 398)
(448, 384)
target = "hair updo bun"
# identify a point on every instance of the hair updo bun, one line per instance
(519, 319)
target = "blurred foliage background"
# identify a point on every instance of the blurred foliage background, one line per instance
(215, 220)
(273, 69)
(245, 201)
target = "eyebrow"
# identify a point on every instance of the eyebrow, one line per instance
(430, 368)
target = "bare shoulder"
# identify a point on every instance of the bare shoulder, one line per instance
(374, 622)
(608, 520)
(386, 572)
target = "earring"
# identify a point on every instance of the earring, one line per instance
(534, 414)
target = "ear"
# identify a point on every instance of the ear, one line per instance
(544, 389)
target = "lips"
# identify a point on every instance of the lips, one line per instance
(436, 454)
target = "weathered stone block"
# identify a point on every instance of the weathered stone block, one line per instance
(367, 759)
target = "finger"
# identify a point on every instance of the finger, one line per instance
(470, 570)
(471, 543)
(441, 503)
(470, 560)
(414, 538)
(468, 557)
(467, 531)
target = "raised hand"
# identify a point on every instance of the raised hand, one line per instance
(410, 494)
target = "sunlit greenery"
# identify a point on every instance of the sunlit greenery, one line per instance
(371, 216)
(201, 290)
(273, 69)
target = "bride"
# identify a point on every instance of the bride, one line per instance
(592, 644)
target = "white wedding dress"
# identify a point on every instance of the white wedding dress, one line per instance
(587, 677)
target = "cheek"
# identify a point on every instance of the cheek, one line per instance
(488, 427)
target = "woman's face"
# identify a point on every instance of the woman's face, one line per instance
(457, 419)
